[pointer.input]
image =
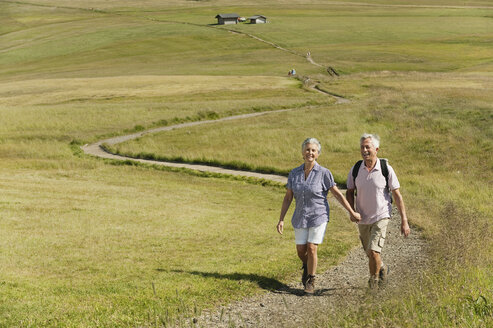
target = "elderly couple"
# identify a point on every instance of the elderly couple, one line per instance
(309, 184)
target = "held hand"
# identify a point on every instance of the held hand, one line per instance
(405, 230)
(356, 217)
(280, 227)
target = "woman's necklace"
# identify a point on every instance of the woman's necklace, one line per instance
(307, 171)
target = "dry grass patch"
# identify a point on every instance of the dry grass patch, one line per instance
(49, 91)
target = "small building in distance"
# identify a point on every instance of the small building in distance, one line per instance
(224, 19)
(258, 19)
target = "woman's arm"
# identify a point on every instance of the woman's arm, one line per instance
(354, 216)
(288, 198)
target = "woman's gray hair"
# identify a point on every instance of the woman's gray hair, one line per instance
(375, 139)
(311, 141)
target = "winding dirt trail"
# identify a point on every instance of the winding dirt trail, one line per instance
(339, 287)
(95, 149)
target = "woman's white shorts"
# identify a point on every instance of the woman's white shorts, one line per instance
(313, 235)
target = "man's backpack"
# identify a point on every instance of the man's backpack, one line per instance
(385, 173)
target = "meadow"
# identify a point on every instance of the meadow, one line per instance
(85, 242)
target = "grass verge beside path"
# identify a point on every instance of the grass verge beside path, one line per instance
(455, 291)
(120, 246)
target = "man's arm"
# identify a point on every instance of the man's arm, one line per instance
(405, 230)
(355, 217)
(350, 197)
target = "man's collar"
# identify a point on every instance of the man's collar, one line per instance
(376, 167)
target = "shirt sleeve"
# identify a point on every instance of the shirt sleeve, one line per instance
(328, 180)
(349, 181)
(393, 181)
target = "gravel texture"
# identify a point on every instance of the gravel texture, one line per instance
(343, 285)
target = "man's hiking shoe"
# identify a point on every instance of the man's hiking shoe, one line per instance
(384, 272)
(310, 285)
(373, 282)
(304, 276)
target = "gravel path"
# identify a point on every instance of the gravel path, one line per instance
(341, 286)
(95, 149)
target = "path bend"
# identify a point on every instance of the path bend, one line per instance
(96, 149)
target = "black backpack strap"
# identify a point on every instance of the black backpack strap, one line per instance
(355, 171)
(385, 171)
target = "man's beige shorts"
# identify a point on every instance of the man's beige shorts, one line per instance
(373, 235)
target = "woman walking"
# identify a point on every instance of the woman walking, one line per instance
(309, 185)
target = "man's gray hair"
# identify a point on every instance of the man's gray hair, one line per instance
(375, 139)
(311, 141)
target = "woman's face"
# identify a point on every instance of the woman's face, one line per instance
(310, 153)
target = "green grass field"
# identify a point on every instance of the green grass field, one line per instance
(85, 242)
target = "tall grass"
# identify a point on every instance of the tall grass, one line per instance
(454, 291)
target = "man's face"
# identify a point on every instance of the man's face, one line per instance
(368, 151)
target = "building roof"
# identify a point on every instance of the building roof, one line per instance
(227, 16)
(257, 16)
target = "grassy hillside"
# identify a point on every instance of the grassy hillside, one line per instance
(87, 243)
(169, 40)
(442, 118)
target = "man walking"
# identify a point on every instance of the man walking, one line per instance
(373, 181)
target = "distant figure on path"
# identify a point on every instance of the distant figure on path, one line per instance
(374, 181)
(309, 185)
